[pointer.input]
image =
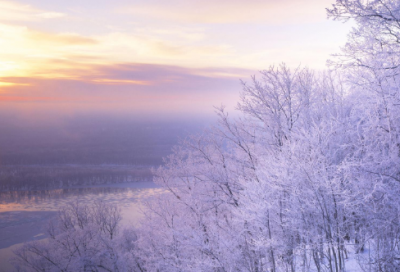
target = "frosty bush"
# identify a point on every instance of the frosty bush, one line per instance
(81, 238)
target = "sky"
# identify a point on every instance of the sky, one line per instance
(154, 57)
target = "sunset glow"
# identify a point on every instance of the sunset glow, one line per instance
(49, 48)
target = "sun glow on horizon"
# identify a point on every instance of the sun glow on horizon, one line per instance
(151, 54)
(36, 39)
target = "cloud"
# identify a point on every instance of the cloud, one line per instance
(224, 11)
(181, 33)
(60, 38)
(109, 81)
(175, 32)
(4, 83)
(28, 52)
(16, 12)
(157, 49)
(169, 77)
(130, 88)
(50, 15)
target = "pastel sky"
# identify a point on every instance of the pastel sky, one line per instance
(146, 55)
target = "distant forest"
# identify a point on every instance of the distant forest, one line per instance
(85, 150)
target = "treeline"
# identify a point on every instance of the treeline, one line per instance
(28, 197)
(40, 177)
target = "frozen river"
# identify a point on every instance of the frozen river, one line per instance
(24, 214)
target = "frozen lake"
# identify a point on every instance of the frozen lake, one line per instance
(24, 214)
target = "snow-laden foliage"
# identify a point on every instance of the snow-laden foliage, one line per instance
(267, 192)
(307, 175)
(81, 238)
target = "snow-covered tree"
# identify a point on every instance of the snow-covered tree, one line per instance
(261, 193)
(307, 174)
(81, 238)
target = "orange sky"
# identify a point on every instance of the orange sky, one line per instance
(154, 54)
